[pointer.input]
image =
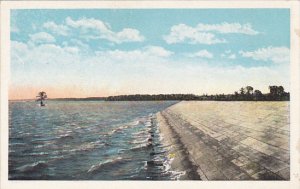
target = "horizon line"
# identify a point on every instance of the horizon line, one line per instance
(57, 98)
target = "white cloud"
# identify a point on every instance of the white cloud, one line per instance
(126, 35)
(158, 51)
(146, 54)
(144, 70)
(42, 37)
(37, 54)
(228, 54)
(232, 56)
(228, 28)
(202, 54)
(119, 55)
(57, 29)
(183, 33)
(69, 53)
(276, 55)
(42, 65)
(75, 43)
(19, 47)
(99, 29)
(204, 33)
(18, 51)
(73, 50)
(88, 23)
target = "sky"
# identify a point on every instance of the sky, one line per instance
(103, 52)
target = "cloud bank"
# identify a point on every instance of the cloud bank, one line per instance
(277, 55)
(206, 33)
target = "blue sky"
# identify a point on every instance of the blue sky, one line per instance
(100, 52)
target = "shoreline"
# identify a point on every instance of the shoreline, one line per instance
(177, 153)
(211, 147)
(96, 100)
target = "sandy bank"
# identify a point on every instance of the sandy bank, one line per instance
(228, 140)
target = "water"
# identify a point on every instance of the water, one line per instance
(82, 140)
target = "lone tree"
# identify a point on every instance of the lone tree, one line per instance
(41, 97)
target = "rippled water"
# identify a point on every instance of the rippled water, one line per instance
(80, 140)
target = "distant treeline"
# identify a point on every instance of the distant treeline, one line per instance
(139, 97)
(276, 93)
(247, 93)
(80, 99)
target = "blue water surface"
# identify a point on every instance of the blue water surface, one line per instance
(86, 140)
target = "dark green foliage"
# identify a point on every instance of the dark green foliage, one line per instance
(277, 93)
(80, 99)
(246, 94)
(139, 97)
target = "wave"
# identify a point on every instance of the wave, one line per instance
(125, 126)
(148, 124)
(167, 161)
(38, 154)
(86, 147)
(79, 149)
(121, 151)
(45, 144)
(143, 141)
(56, 158)
(137, 122)
(42, 141)
(161, 165)
(141, 147)
(119, 129)
(65, 137)
(33, 167)
(39, 146)
(141, 133)
(98, 167)
(17, 144)
(142, 121)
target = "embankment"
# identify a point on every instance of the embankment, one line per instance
(227, 140)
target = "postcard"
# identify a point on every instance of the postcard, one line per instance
(129, 93)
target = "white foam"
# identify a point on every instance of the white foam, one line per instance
(100, 165)
(31, 167)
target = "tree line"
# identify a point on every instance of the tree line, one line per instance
(139, 97)
(80, 99)
(276, 93)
